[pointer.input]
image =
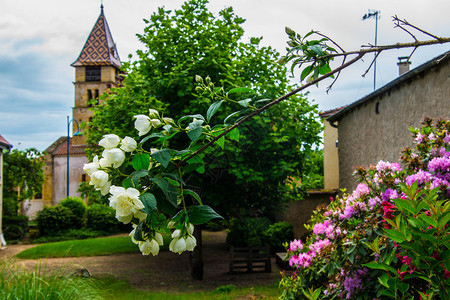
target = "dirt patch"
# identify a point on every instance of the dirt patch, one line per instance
(166, 272)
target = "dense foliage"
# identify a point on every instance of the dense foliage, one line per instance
(77, 208)
(273, 148)
(72, 219)
(23, 177)
(388, 239)
(255, 232)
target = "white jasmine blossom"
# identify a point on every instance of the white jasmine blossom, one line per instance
(128, 144)
(109, 141)
(142, 124)
(91, 167)
(115, 157)
(126, 203)
(99, 179)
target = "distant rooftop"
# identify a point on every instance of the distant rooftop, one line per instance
(4, 144)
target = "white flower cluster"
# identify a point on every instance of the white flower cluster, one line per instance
(182, 240)
(126, 202)
(148, 245)
(111, 157)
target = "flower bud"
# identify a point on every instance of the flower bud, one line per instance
(198, 78)
(142, 124)
(128, 144)
(153, 113)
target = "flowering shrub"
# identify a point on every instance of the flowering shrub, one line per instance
(389, 238)
(145, 184)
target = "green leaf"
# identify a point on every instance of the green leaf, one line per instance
(445, 219)
(200, 214)
(383, 279)
(229, 116)
(213, 109)
(233, 134)
(195, 133)
(305, 72)
(174, 177)
(429, 220)
(169, 190)
(197, 116)
(395, 235)
(151, 136)
(380, 266)
(149, 202)
(141, 161)
(404, 204)
(244, 102)
(221, 142)
(138, 174)
(162, 156)
(194, 195)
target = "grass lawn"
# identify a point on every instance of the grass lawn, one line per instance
(111, 288)
(88, 247)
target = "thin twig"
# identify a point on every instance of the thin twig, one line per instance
(415, 27)
(371, 64)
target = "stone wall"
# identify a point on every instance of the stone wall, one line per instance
(379, 128)
(298, 213)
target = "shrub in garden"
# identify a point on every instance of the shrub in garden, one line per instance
(15, 227)
(389, 238)
(78, 209)
(53, 220)
(103, 218)
(248, 232)
(278, 234)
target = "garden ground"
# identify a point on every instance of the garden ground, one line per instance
(168, 272)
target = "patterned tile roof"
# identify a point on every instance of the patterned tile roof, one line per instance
(4, 143)
(99, 48)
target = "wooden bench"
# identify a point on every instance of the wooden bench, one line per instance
(250, 259)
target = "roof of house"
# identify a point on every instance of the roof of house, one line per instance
(59, 147)
(4, 144)
(327, 113)
(441, 59)
(99, 48)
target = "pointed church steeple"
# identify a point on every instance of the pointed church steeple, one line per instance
(99, 48)
(97, 69)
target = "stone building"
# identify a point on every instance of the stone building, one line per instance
(4, 145)
(376, 127)
(96, 70)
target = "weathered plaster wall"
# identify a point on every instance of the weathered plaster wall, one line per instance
(330, 157)
(365, 136)
(60, 174)
(298, 213)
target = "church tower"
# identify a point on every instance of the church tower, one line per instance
(96, 70)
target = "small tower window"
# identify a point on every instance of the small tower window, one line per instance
(92, 95)
(93, 73)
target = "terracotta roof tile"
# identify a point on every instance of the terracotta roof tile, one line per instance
(73, 149)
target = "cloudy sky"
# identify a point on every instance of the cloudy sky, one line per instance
(40, 39)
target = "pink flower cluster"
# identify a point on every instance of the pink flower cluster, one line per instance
(304, 259)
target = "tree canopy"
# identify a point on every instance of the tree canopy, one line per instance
(253, 175)
(23, 176)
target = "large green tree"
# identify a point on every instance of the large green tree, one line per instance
(252, 176)
(23, 178)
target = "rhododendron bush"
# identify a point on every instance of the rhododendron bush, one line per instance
(389, 238)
